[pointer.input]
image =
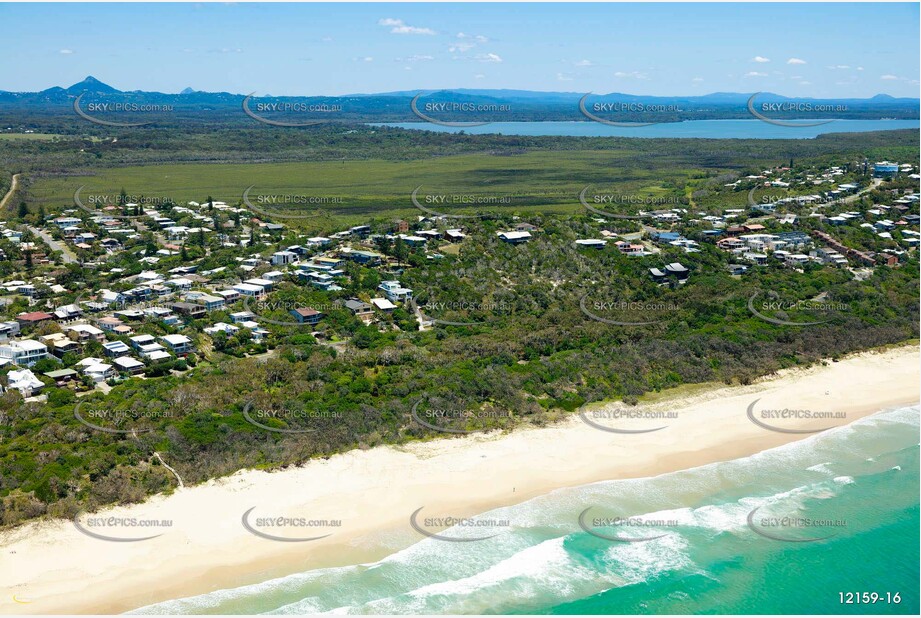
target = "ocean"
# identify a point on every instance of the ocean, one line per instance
(835, 513)
(712, 129)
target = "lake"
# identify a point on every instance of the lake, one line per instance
(708, 129)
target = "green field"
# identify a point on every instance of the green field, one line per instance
(532, 182)
(42, 137)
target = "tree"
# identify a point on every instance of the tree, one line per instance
(23, 210)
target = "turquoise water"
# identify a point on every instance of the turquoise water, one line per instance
(862, 480)
(713, 129)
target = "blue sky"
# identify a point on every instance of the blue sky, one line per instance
(803, 50)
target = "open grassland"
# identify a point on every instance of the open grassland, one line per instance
(43, 137)
(356, 190)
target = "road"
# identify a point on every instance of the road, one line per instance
(67, 255)
(14, 184)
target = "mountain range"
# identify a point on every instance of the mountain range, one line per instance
(395, 106)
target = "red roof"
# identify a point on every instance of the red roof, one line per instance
(35, 316)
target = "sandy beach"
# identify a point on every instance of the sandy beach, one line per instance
(51, 567)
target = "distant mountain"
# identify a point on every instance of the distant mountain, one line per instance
(520, 105)
(90, 84)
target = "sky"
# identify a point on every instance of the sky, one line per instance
(797, 50)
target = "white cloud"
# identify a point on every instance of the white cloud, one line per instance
(796, 61)
(461, 47)
(631, 75)
(416, 58)
(488, 57)
(860, 68)
(583, 63)
(327, 39)
(755, 74)
(805, 83)
(479, 76)
(563, 78)
(760, 59)
(888, 77)
(839, 67)
(479, 38)
(66, 52)
(398, 26)
(368, 59)
(697, 80)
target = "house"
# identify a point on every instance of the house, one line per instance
(383, 304)
(85, 332)
(514, 238)
(8, 330)
(242, 316)
(33, 319)
(657, 275)
(129, 365)
(61, 376)
(677, 271)
(395, 292)
(189, 310)
(592, 243)
(229, 296)
(360, 310)
(221, 327)
(247, 289)
(280, 258)
(368, 258)
(179, 344)
(115, 349)
(138, 341)
(109, 323)
(24, 381)
(629, 249)
(454, 235)
(796, 259)
(265, 284)
(24, 352)
(737, 269)
(211, 303)
(60, 348)
(99, 372)
(306, 315)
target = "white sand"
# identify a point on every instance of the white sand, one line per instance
(50, 567)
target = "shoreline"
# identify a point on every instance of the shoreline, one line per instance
(373, 492)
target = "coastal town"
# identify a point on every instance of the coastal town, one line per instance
(175, 283)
